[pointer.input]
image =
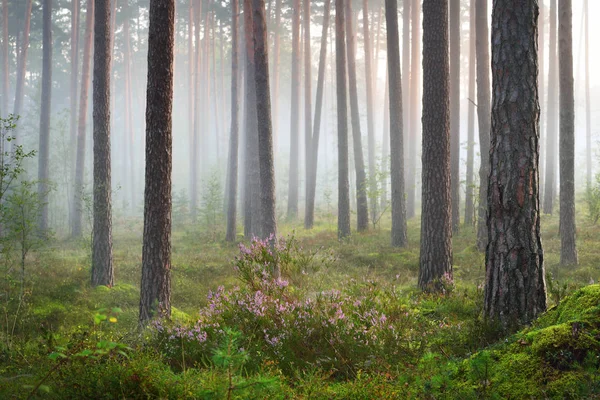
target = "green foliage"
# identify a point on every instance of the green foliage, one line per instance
(211, 206)
(593, 200)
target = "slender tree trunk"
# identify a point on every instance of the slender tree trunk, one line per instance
(102, 260)
(232, 171)
(455, 111)
(191, 85)
(588, 122)
(292, 211)
(362, 211)
(385, 146)
(77, 211)
(407, 90)
(469, 195)
(313, 155)
(415, 119)
(568, 248)
(541, 86)
(515, 291)
(195, 148)
(44, 146)
(370, 113)
(5, 63)
(265, 133)
(276, 50)
(342, 122)
(436, 216)
(129, 132)
(399, 238)
(252, 206)
(552, 115)
(156, 253)
(22, 67)
(307, 100)
(74, 70)
(482, 50)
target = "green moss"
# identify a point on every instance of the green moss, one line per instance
(582, 305)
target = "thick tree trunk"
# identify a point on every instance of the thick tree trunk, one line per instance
(469, 195)
(552, 115)
(568, 248)
(252, 206)
(399, 238)
(102, 259)
(22, 67)
(588, 122)
(307, 101)
(370, 113)
(541, 86)
(342, 122)
(362, 211)
(515, 291)
(455, 112)
(292, 209)
(312, 162)
(77, 208)
(156, 253)
(265, 133)
(46, 106)
(436, 216)
(232, 170)
(415, 118)
(482, 49)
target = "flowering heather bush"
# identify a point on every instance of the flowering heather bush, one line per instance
(334, 331)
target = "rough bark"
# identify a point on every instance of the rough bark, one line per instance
(102, 258)
(309, 216)
(342, 122)
(415, 118)
(292, 209)
(77, 211)
(232, 171)
(482, 51)
(568, 248)
(362, 211)
(469, 193)
(46, 106)
(455, 112)
(436, 216)
(514, 288)
(552, 114)
(541, 86)
(398, 235)
(265, 132)
(370, 113)
(156, 253)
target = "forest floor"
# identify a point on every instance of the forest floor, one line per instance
(345, 320)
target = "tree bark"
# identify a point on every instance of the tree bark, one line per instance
(541, 86)
(588, 109)
(5, 63)
(342, 122)
(276, 50)
(398, 235)
(265, 133)
(362, 211)
(515, 291)
(22, 67)
(407, 89)
(415, 119)
(385, 140)
(292, 211)
(469, 194)
(77, 212)
(370, 114)
(232, 171)
(436, 216)
(482, 51)
(455, 112)
(74, 71)
(568, 248)
(195, 147)
(102, 258)
(312, 162)
(46, 106)
(552, 115)
(307, 101)
(156, 253)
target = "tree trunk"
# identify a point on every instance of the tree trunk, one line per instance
(370, 114)
(541, 86)
(74, 71)
(313, 159)
(102, 260)
(568, 248)
(5, 69)
(362, 211)
(415, 118)
(455, 112)
(406, 92)
(588, 122)
(232, 171)
(156, 253)
(252, 206)
(399, 238)
(552, 115)
(265, 133)
(195, 148)
(385, 146)
(191, 85)
(342, 122)
(77, 212)
(515, 291)
(469, 195)
(276, 50)
(22, 67)
(436, 215)
(44, 146)
(307, 101)
(292, 211)
(482, 51)
(129, 132)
